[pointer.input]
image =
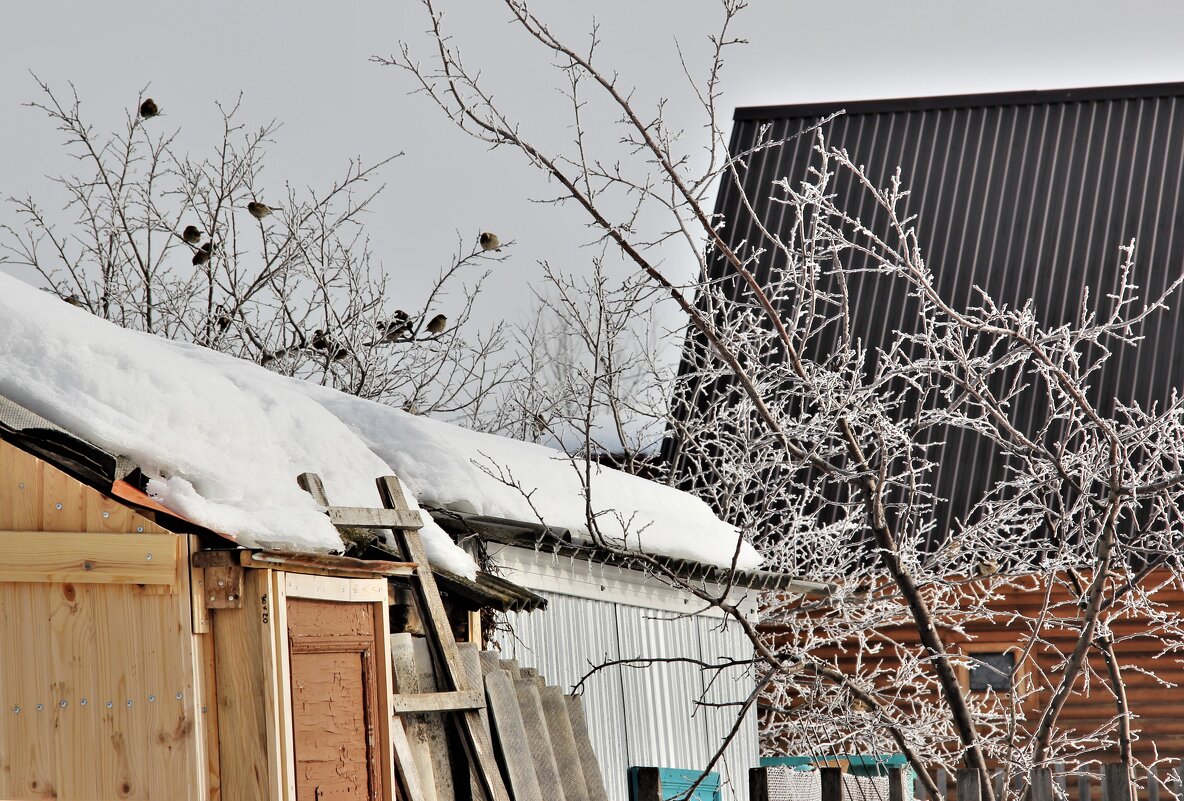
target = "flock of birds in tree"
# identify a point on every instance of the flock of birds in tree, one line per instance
(401, 327)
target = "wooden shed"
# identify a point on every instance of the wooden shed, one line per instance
(138, 663)
(146, 657)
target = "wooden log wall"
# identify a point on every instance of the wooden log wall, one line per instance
(100, 696)
(1159, 725)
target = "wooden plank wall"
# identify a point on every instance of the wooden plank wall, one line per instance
(99, 696)
(1159, 723)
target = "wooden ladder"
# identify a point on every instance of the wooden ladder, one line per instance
(460, 702)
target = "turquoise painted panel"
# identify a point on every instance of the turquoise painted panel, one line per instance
(675, 784)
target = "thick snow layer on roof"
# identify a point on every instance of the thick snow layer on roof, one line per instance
(467, 471)
(224, 440)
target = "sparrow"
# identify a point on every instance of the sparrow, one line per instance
(74, 300)
(149, 109)
(320, 340)
(986, 568)
(489, 241)
(260, 210)
(191, 234)
(437, 324)
(394, 329)
(201, 256)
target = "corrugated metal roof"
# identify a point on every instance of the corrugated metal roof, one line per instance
(1028, 195)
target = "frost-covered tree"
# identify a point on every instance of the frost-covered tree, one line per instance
(825, 457)
(298, 290)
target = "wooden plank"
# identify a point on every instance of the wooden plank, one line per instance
(970, 784)
(511, 666)
(452, 675)
(546, 768)
(408, 774)
(327, 564)
(199, 615)
(403, 703)
(648, 785)
(333, 588)
(365, 517)
(84, 558)
(832, 784)
(589, 764)
(758, 784)
(506, 720)
(243, 642)
(63, 502)
(1117, 782)
(277, 671)
(1042, 785)
(563, 742)
(489, 661)
(21, 478)
(406, 682)
(386, 689)
(223, 587)
(896, 790)
(436, 731)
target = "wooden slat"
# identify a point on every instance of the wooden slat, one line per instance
(88, 558)
(452, 672)
(406, 703)
(406, 682)
(305, 563)
(364, 517)
(335, 588)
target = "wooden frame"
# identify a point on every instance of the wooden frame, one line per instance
(1022, 681)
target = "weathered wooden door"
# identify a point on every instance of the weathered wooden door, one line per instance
(335, 705)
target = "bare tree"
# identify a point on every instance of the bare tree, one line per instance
(159, 241)
(826, 458)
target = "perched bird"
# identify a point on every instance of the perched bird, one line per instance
(340, 354)
(393, 329)
(985, 568)
(489, 241)
(74, 300)
(149, 109)
(191, 234)
(201, 256)
(437, 324)
(260, 210)
(320, 340)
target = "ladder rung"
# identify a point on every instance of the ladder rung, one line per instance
(458, 700)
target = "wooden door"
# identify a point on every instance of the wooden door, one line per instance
(335, 705)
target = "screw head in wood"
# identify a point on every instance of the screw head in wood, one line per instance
(148, 557)
(57, 506)
(106, 514)
(16, 710)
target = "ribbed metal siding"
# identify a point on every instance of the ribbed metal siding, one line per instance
(1025, 198)
(642, 716)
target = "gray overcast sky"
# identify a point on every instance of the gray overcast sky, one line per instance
(305, 63)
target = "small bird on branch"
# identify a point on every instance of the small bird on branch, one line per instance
(320, 340)
(260, 210)
(489, 241)
(394, 329)
(149, 109)
(191, 234)
(202, 254)
(437, 324)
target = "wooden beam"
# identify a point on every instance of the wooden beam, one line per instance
(406, 703)
(313, 564)
(331, 588)
(364, 517)
(223, 587)
(89, 558)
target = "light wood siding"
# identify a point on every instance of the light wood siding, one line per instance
(99, 689)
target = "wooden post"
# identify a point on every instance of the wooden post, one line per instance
(1062, 780)
(1083, 786)
(832, 784)
(1117, 781)
(943, 791)
(649, 785)
(896, 784)
(970, 784)
(758, 784)
(1042, 784)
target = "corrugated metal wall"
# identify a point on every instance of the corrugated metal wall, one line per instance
(1026, 195)
(643, 716)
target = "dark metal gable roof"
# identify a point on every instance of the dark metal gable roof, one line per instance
(1028, 195)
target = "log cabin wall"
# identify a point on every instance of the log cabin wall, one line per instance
(101, 677)
(1159, 722)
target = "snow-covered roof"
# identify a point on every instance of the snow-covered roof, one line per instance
(222, 440)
